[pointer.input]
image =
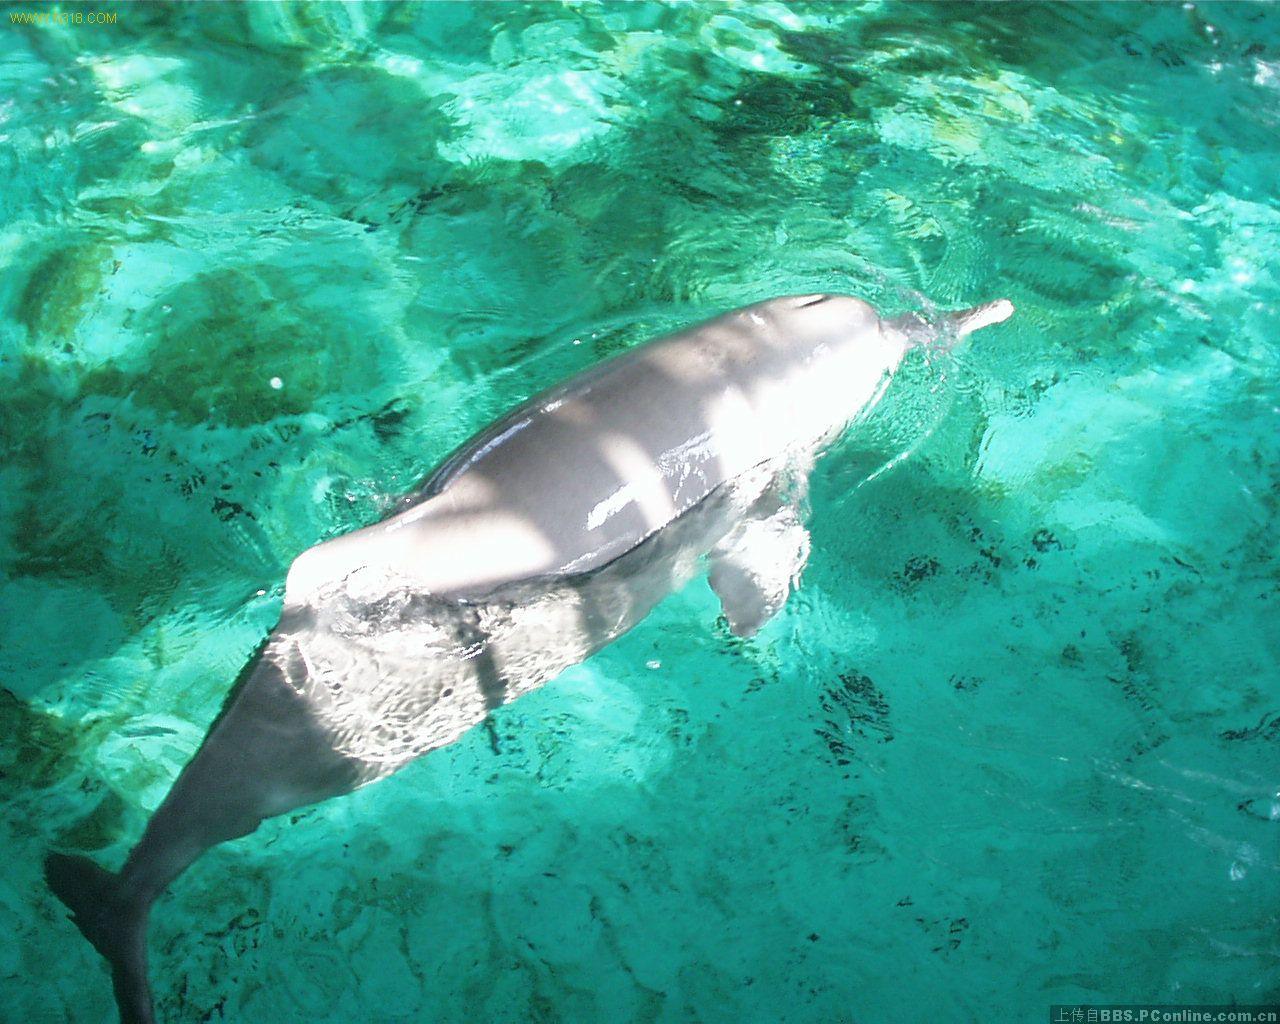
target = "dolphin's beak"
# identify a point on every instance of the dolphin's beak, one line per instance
(941, 333)
(966, 321)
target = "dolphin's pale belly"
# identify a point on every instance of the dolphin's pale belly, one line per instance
(391, 673)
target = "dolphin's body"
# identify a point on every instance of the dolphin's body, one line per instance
(545, 537)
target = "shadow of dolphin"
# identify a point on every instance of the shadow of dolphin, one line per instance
(544, 538)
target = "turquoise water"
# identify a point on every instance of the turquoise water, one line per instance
(1014, 741)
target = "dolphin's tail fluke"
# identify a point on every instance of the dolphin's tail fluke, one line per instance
(942, 332)
(115, 923)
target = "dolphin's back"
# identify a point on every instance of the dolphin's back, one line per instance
(583, 472)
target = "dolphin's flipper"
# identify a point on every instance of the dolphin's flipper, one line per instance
(114, 924)
(753, 569)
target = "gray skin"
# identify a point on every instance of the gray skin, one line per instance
(541, 540)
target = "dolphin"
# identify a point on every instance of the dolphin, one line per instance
(542, 539)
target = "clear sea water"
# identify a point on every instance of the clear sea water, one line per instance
(1014, 742)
